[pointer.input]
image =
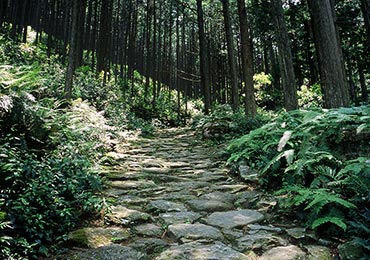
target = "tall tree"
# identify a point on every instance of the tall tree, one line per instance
(103, 48)
(332, 74)
(247, 60)
(203, 58)
(73, 46)
(231, 55)
(285, 57)
(365, 8)
(3, 7)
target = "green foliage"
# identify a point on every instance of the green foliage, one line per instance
(266, 95)
(320, 203)
(310, 97)
(319, 159)
(49, 191)
(234, 123)
(49, 156)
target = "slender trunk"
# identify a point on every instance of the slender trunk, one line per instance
(365, 8)
(285, 57)
(231, 55)
(72, 51)
(203, 59)
(364, 92)
(247, 61)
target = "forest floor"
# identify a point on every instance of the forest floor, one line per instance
(174, 198)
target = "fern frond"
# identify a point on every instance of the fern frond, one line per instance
(329, 219)
(322, 197)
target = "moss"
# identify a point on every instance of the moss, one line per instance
(3, 216)
(79, 237)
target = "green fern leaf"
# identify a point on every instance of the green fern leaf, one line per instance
(334, 220)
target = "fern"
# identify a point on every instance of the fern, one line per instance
(329, 219)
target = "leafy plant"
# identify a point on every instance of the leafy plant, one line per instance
(318, 158)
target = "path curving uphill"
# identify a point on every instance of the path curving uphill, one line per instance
(173, 199)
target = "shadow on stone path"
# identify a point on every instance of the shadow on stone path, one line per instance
(174, 200)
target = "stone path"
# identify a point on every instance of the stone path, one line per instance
(173, 199)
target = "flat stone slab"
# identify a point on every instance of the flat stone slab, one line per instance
(148, 230)
(96, 237)
(261, 240)
(111, 252)
(194, 232)
(233, 188)
(283, 253)
(165, 206)
(123, 216)
(318, 253)
(179, 217)
(198, 251)
(124, 185)
(209, 205)
(234, 219)
(219, 196)
(149, 245)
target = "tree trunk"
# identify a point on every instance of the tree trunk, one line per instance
(247, 61)
(231, 55)
(365, 8)
(204, 73)
(3, 10)
(103, 49)
(72, 51)
(364, 92)
(332, 75)
(285, 57)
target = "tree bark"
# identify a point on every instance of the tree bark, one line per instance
(285, 57)
(203, 59)
(72, 51)
(365, 8)
(231, 55)
(103, 48)
(332, 74)
(247, 61)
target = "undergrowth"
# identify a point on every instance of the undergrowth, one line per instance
(318, 161)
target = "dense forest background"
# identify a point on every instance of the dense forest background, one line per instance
(290, 78)
(209, 49)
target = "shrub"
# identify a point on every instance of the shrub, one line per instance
(318, 158)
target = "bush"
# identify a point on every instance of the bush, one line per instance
(48, 170)
(227, 124)
(320, 159)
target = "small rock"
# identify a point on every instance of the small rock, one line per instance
(318, 253)
(209, 205)
(350, 251)
(232, 234)
(233, 219)
(149, 245)
(297, 233)
(233, 188)
(283, 253)
(253, 228)
(179, 217)
(123, 216)
(194, 232)
(247, 173)
(219, 196)
(260, 240)
(247, 199)
(148, 230)
(198, 251)
(165, 206)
